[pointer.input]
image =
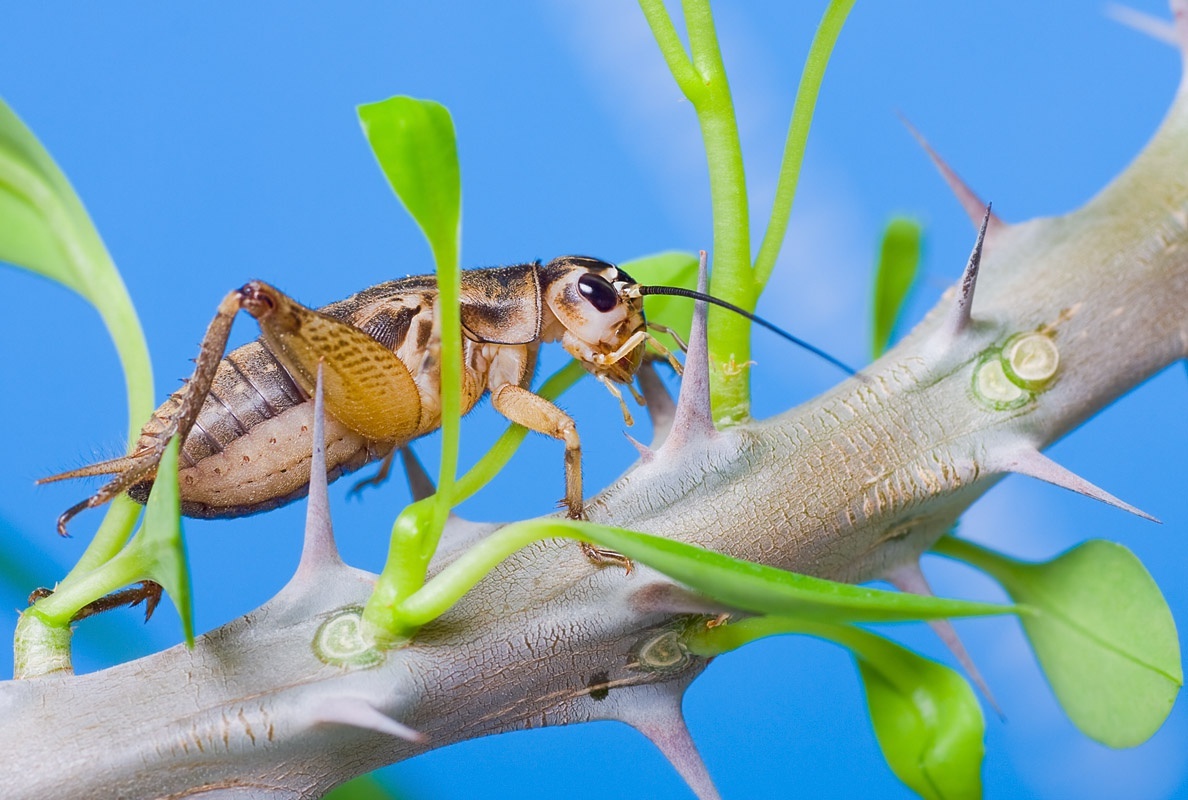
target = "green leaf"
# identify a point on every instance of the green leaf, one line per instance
(926, 718)
(925, 715)
(899, 260)
(160, 542)
(413, 140)
(743, 585)
(1101, 630)
(758, 588)
(44, 228)
(672, 268)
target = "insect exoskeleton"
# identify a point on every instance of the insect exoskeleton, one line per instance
(246, 419)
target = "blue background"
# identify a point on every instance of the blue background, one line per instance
(219, 144)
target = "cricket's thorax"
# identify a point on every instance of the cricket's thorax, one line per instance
(249, 449)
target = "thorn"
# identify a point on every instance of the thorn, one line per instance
(960, 315)
(1157, 28)
(692, 419)
(969, 200)
(419, 482)
(1029, 461)
(646, 453)
(319, 549)
(662, 597)
(659, 402)
(658, 717)
(910, 578)
(358, 713)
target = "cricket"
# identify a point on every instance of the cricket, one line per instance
(246, 419)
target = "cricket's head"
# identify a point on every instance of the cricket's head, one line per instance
(601, 312)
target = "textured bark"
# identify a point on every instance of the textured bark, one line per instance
(851, 486)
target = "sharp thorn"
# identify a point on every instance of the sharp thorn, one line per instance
(663, 723)
(646, 453)
(1029, 461)
(659, 403)
(693, 419)
(959, 317)
(1157, 28)
(969, 200)
(910, 578)
(319, 549)
(358, 713)
(420, 485)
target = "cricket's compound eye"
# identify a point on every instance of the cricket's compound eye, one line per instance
(598, 291)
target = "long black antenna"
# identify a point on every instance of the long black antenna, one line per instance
(676, 291)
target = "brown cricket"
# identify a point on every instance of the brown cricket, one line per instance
(246, 420)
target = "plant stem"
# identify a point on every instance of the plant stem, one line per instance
(798, 130)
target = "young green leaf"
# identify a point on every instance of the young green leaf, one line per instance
(161, 542)
(672, 268)
(742, 585)
(414, 142)
(1101, 630)
(925, 715)
(899, 261)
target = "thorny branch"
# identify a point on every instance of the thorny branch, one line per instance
(853, 485)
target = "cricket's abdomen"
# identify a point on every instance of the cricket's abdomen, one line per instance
(250, 448)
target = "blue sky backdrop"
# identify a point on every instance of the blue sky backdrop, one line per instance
(217, 143)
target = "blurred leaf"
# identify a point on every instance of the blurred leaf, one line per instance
(1101, 630)
(45, 228)
(926, 718)
(365, 787)
(899, 260)
(671, 268)
(925, 715)
(413, 140)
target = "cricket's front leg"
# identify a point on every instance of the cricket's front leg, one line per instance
(535, 413)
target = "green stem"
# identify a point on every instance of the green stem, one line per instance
(69, 597)
(448, 586)
(798, 131)
(449, 287)
(112, 535)
(671, 48)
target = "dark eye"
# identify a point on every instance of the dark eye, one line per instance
(600, 293)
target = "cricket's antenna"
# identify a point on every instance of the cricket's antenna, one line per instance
(676, 291)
